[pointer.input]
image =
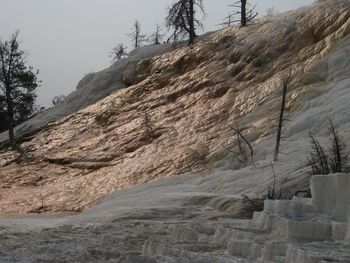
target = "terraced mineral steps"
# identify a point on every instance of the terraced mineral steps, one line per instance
(99, 141)
(291, 231)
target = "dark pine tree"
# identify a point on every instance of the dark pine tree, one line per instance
(18, 83)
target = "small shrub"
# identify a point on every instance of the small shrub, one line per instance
(272, 192)
(337, 158)
(318, 159)
(147, 123)
(332, 160)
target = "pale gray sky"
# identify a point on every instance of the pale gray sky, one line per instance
(65, 39)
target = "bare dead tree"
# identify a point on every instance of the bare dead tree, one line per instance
(246, 13)
(147, 122)
(227, 21)
(271, 11)
(182, 19)
(156, 36)
(240, 138)
(337, 157)
(118, 52)
(241, 154)
(241, 148)
(331, 161)
(136, 37)
(318, 160)
(281, 118)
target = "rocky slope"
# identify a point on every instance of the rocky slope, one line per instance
(172, 115)
(162, 139)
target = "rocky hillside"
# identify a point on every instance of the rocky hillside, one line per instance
(171, 109)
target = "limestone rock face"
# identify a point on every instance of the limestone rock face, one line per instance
(332, 195)
(166, 111)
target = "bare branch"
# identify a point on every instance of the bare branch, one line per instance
(181, 18)
(281, 118)
(136, 37)
(157, 36)
(247, 13)
(118, 52)
(238, 131)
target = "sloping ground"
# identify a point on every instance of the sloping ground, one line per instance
(173, 118)
(127, 230)
(93, 87)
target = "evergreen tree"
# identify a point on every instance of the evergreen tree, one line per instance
(17, 84)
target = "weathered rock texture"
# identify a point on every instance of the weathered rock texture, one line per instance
(92, 88)
(172, 116)
(198, 230)
(286, 231)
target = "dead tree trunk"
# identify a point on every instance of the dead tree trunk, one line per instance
(10, 118)
(243, 13)
(192, 29)
(280, 122)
